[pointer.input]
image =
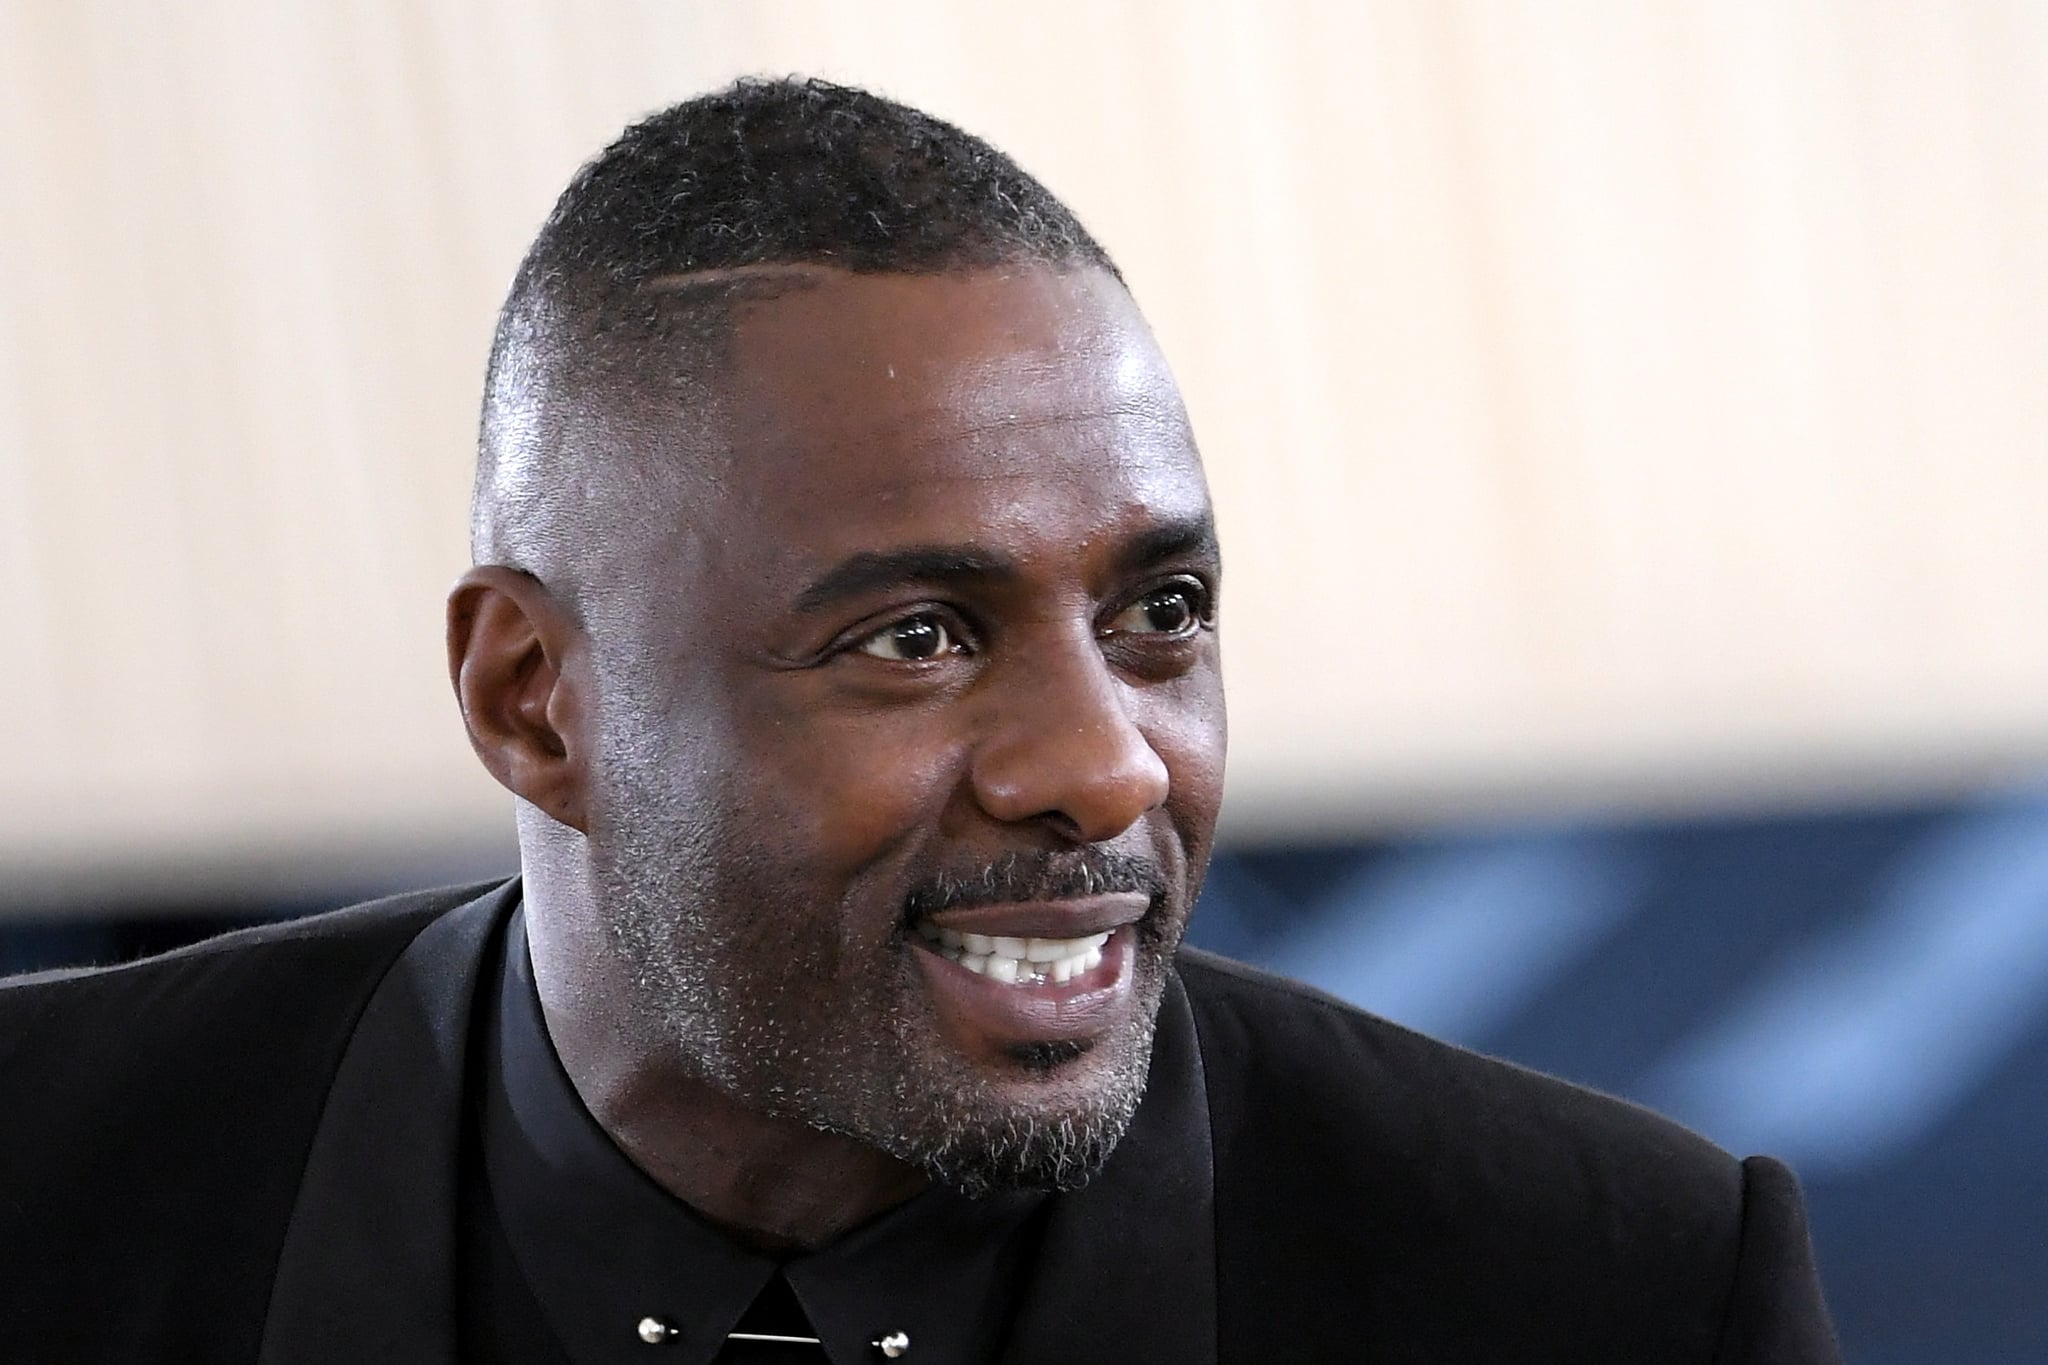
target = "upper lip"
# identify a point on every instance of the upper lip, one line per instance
(1075, 918)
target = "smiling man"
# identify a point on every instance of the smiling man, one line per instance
(845, 621)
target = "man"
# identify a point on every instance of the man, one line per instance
(844, 621)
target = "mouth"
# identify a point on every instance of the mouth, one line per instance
(1027, 961)
(1012, 975)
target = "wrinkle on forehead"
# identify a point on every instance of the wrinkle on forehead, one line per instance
(896, 365)
(868, 411)
(1011, 442)
(1029, 391)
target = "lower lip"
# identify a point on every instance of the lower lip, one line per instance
(1080, 1008)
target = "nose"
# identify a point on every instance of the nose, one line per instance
(1064, 749)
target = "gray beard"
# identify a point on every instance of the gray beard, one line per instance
(734, 986)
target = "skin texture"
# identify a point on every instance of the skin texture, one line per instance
(926, 623)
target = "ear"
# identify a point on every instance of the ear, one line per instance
(515, 655)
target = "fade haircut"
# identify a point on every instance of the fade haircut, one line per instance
(627, 295)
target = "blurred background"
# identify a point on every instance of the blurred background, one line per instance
(1627, 423)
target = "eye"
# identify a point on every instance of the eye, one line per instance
(913, 639)
(1175, 609)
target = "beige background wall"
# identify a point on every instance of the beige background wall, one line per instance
(1608, 403)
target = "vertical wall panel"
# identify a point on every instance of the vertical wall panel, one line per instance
(1605, 402)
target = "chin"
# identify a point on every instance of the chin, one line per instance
(1028, 1152)
(1041, 1115)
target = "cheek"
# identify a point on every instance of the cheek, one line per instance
(1186, 725)
(847, 789)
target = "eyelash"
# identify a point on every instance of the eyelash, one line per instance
(1201, 606)
(961, 636)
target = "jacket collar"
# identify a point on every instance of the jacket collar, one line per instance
(366, 1273)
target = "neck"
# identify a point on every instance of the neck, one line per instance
(775, 1184)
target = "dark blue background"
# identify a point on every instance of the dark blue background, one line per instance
(1864, 994)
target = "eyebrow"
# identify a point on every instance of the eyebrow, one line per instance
(872, 570)
(962, 565)
(1183, 538)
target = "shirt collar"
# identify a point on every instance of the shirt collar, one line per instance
(603, 1246)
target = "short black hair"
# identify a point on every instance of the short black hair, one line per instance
(764, 172)
(786, 171)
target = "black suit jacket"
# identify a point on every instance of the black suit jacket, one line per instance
(246, 1151)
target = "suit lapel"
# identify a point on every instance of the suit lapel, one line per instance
(1127, 1269)
(366, 1271)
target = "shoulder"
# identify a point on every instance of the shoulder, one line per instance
(1461, 1194)
(253, 991)
(254, 994)
(169, 1103)
(236, 966)
(1298, 1046)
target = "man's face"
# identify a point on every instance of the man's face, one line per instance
(910, 738)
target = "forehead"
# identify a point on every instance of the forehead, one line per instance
(1026, 404)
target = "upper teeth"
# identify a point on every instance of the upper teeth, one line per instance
(1023, 960)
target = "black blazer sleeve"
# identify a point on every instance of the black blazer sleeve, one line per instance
(1385, 1197)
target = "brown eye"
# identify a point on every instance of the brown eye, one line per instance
(1175, 609)
(911, 640)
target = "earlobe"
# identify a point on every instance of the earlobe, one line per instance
(513, 655)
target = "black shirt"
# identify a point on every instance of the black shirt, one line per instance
(568, 1246)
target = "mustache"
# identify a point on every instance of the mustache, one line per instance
(1038, 876)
